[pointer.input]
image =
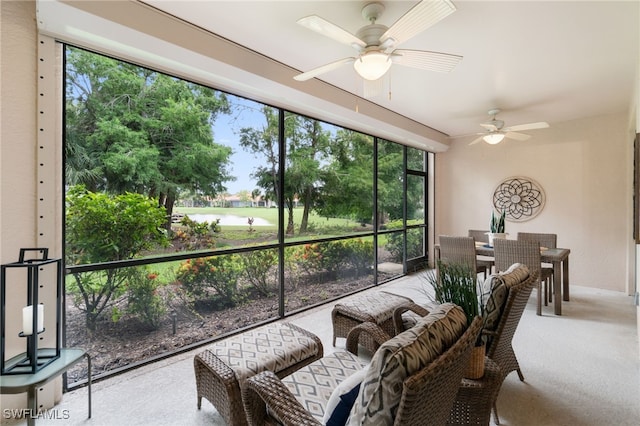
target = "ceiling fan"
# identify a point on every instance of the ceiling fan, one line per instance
(375, 44)
(496, 131)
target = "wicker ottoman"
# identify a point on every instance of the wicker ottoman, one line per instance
(375, 307)
(222, 368)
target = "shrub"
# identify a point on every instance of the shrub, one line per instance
(100, 228)
(144, 298)
(258, 268)
(218, 273)
(360, 255)
(306, 257)
(334, 256)
(395, 241)
(353, 255)
(196, 235)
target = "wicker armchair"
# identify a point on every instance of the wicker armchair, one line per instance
(427, 395)
(461, 250)
(548, 241)
(508, 252)
(477, 398)
(499, 346)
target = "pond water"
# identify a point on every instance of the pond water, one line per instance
(228, 219)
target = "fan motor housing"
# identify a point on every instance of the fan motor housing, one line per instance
(371, 34)
(497, 123)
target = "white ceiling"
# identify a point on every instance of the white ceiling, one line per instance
(547, 61)
(537, 61)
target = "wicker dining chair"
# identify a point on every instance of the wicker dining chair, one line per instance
(481, 236)
(507, 252)
(461, 250)
(548, 241)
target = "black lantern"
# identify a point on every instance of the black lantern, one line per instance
(43, 277)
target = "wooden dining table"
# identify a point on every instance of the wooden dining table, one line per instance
(558, 258)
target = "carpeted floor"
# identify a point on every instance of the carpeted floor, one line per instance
(581, 368)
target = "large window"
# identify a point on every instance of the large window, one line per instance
(192, 213)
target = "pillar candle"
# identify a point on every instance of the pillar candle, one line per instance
(27, 319)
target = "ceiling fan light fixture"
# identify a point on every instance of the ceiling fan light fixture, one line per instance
(372, 65)
(493, 138)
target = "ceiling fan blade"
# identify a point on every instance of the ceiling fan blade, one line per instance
(476, 140)
(517, 136)
(417, 19)
(490, 127)
(530, 126)
(323, 69)
(326, 28)
(425, 60)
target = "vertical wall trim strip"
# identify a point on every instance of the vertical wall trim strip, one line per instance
(49, 147)
(48, 172)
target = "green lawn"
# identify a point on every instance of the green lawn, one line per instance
(270, 215)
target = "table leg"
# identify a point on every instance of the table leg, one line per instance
(32, 403)
(557, 289)
(565, 279)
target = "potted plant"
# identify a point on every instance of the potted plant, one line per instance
(496, 227)
(457, 283)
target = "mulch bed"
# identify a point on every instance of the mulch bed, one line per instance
(127, 342)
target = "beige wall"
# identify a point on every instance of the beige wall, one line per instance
(584, 168)
(17, 128)
(22, 151)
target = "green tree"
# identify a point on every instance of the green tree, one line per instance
(101, 228)
(390, 180)
(307, 149)
(347, 189)
(132, 129)
(255, 196)
(265, 141)
(244, 196)
(306, 145)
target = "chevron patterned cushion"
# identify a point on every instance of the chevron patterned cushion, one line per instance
(273, 347)
(515, 274)
(313, 385)
(400, 357)
(495, 292)
(378, 304)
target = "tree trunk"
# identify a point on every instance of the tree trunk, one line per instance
(169, 201)
(305, 211)
(290, 226)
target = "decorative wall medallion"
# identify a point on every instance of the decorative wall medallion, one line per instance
(521, 198)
